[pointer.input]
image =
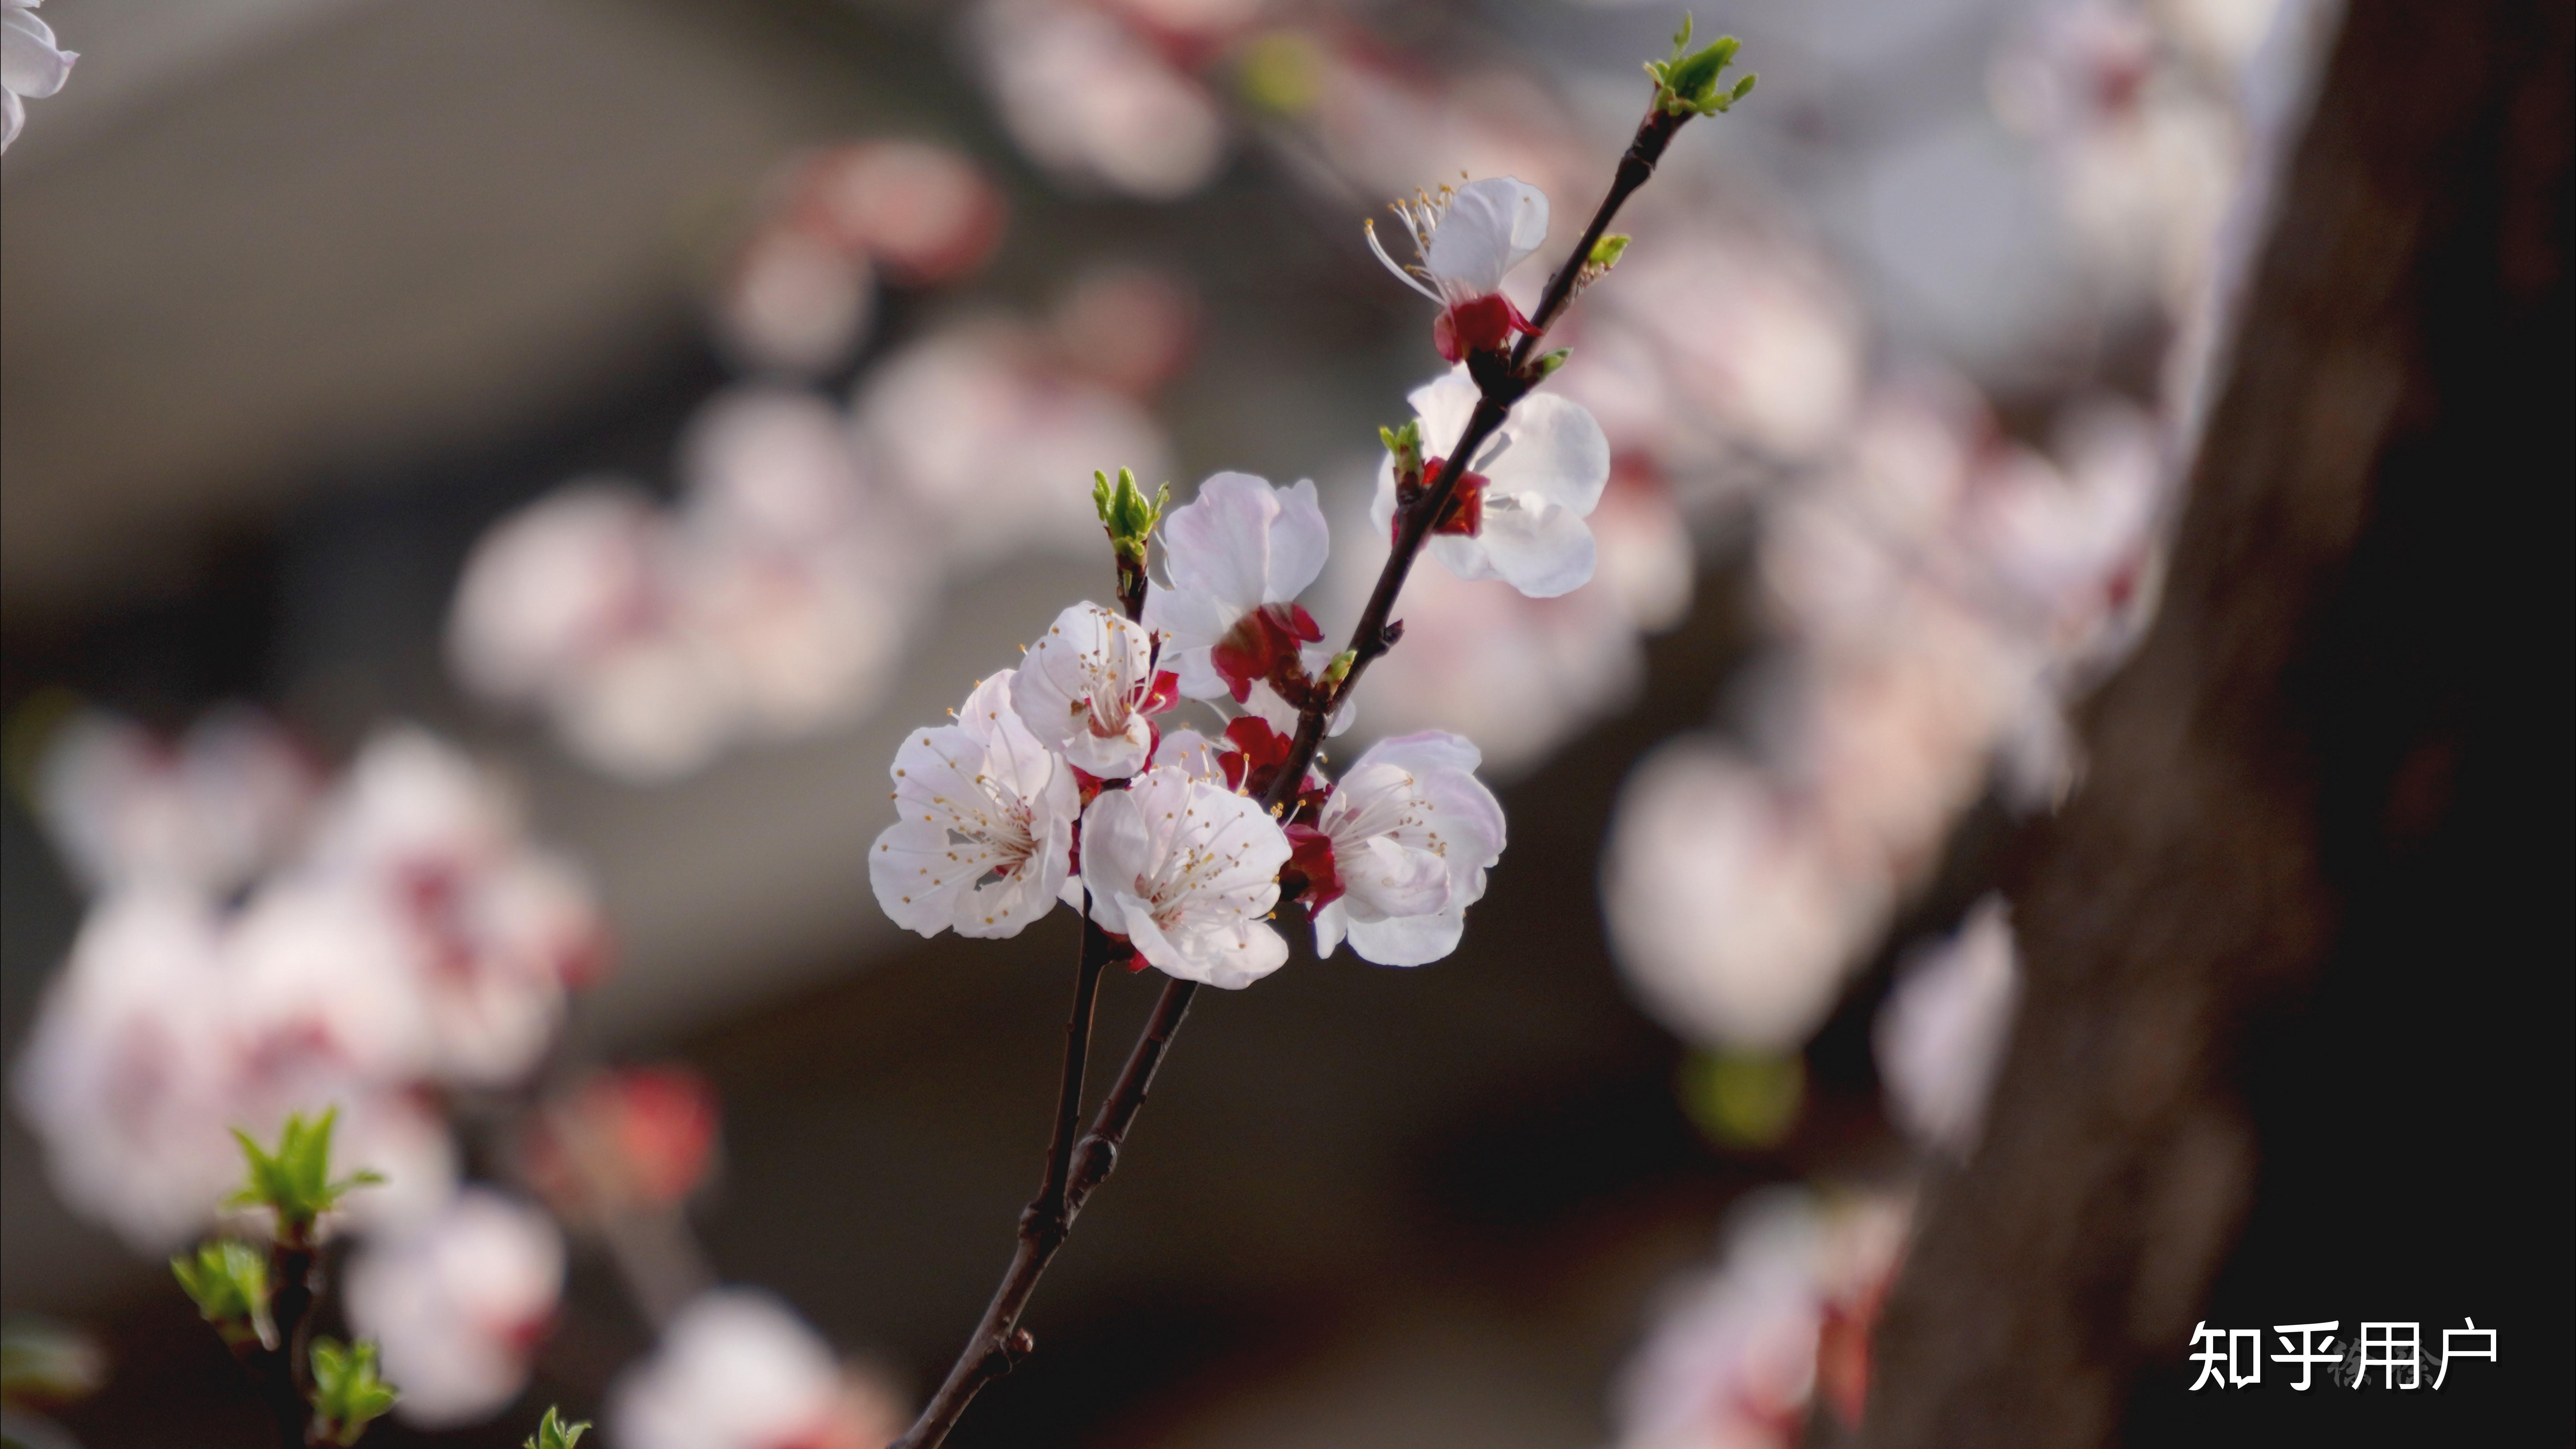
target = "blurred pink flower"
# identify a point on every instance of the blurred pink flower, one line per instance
(1940, 1038)
(993, 436)
(1736, 1358)
(923, 213)
(736, 1369)
(638, 1138)
(1094, 102)
(168, 1028)
(794, 303)
(1733, 910)
(458, 1303)
(498, 929)
(210, 812)
(1129, 327)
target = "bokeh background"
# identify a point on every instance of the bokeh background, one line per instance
(669, 406)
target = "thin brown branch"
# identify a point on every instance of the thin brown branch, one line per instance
(1074, 1172)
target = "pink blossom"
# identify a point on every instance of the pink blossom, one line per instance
(1940, 1038)
(458, 1303)
(1412, 833)
(737, 1369)
(1187, 871)
(983, 837)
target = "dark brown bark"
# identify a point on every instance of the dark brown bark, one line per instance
(2294, 1041)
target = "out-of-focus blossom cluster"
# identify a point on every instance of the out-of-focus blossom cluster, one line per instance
(737, 1369)
(368, 943)
(986, 426)
(2138, 107)
(1743, 1356)
(772, 600)
(1937, 592)
(802, 290)
(32, 64)
(268, 939)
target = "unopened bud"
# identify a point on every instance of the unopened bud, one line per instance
(1688, 83)
(1125, 511)
(1606, 252)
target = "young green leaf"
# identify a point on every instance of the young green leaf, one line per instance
(295, 1181)
(348, 1393)
(554, 1433)
(228, 1280)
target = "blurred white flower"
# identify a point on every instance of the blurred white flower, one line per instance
(1237, 556)
(498, 928)
(2146, 151)
(1412, 832)
(1087, 690)
(124, 1075)
(736, 1369)
(458, 1304)
(168, 1028)
(1733, 913)
(209, 813)
(554, 584)
(1708, 341)
(1129, 327)
(795, 304)
(1735, 1358)
(1518, 513)
(994, 436)
(923, 213)
(32, 65)
(771, 606)
(983, 838)
(1090, 100)
(1940, 1038)
(1187, 871)
(1517, 675)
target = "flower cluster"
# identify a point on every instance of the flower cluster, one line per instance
(1741, 1357)
(1071, 778)
(768, 601)
(402, 934)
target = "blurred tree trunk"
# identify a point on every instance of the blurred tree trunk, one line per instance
(2295, 1036)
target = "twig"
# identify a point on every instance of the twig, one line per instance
(295, 1269)
(999, 1343)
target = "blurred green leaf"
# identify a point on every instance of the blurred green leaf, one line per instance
(348, 1393)
(1745, 1099)
(295, 1181)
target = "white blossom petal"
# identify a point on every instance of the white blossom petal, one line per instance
(984, 835)
(1187, 871)
(1080, 686)
(1490, 227)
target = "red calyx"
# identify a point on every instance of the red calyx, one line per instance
(1263, 645)
(1310, 877)
(1465, 513)
(1479, 324)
